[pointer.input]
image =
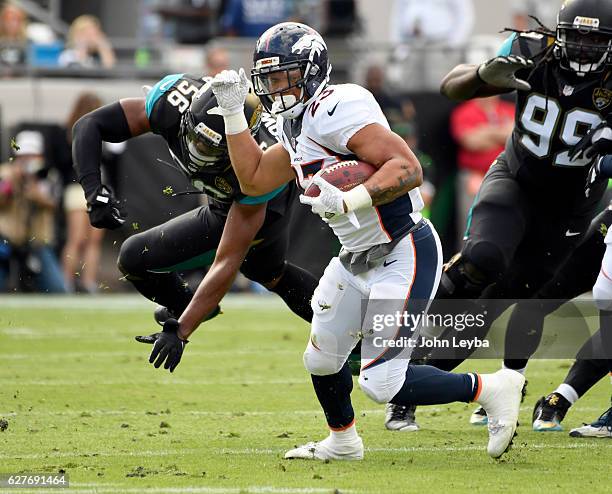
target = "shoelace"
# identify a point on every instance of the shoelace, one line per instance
(605, 420)
(401, 413)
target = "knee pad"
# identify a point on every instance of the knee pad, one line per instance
(375, 390)
(320, 363)
(463, 276)
(262, 272)
(129, 260)
(602, 293)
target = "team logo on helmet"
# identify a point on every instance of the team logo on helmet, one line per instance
(602, 98)
(312, 42)
(223, 185)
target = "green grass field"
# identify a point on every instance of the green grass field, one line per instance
(79, 396)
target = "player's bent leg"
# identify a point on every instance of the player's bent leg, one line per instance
(336, 306)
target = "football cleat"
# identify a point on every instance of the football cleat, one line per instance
(549, 412)
(328, 449)
(161, 314)
(401, 418)
(602, 427)
(479, 416)
(500, 396)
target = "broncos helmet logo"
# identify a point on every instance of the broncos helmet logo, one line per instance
(312, 42)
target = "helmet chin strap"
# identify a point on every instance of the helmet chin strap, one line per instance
(293, 109)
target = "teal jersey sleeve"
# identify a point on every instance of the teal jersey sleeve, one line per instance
(506, 48)
(158, 90)
(252, 200)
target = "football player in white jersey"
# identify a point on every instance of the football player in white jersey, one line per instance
(390, 253)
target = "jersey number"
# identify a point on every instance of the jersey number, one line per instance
(178, 96)
(541, 118)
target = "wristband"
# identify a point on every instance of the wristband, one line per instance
(236, 123)
(357, 198)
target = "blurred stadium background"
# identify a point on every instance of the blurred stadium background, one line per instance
(400, 49)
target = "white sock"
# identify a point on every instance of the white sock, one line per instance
(345, 436)
(520, 371)
(567, 392)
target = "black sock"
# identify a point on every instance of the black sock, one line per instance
(334, 394)
(584, 374)
(427, 385)
(296, 287)
(167, 289)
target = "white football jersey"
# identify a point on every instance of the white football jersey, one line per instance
(318, 139)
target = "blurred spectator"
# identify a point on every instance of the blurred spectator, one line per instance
(409, 132)
(392, 105)
(341, 18)
(13, 35)
(480, 127)
(217, 60)
(28, 199)
(81, 253)
(195, 21)
(544, 10)
(447, 22)
(429, 38)
(87, 45)
(250, 18)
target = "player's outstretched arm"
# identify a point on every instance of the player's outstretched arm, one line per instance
(243, 223)
(258, 172)
(399, 170)
(495, 76)
(116, 122)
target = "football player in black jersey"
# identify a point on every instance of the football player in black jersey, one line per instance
(239, 232)
(531, 210)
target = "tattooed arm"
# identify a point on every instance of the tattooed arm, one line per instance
(399, 170)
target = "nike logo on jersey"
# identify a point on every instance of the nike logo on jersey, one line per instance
(388, 263)
(331, 112)
(571, 234)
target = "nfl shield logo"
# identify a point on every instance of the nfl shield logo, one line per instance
(602, 98)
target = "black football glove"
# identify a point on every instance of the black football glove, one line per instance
(597, 142)
(104, 210)
(167, 346)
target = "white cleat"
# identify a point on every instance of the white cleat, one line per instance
(328, 449)
(401, 418)
(500, 396)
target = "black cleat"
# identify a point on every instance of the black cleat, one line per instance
(549, 412)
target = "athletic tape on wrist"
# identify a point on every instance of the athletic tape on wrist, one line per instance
(357, 198)
(236, 123)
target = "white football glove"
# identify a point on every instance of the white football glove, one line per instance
(328, 203)
(499, 72)
(597, 142)
(231, 89)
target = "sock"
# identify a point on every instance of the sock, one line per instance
(427, 385)
(334, 394)
(567, 392)
(520, 370)
(296, 287)
(347, 435)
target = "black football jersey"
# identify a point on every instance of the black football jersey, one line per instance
(165, 104)
(551, 118)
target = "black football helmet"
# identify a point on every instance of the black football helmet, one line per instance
(202, 135)
(289, 55)
(583, 41)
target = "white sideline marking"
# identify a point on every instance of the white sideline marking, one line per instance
(161, 381)
(114, 302)
(273, 451)
(110, 488)
(93, 355)
(237, 414)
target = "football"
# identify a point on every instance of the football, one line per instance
(344, 175)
